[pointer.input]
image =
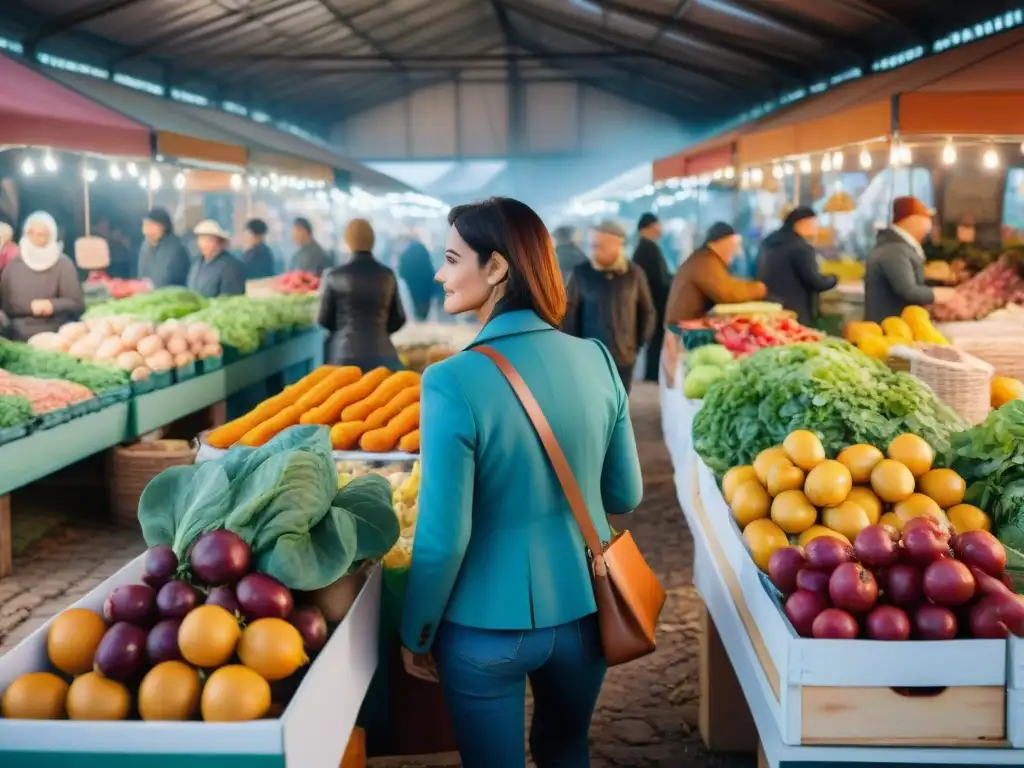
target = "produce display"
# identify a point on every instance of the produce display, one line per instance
(243, 322)
(296, 281)
(116, 287)
(997, 285)
(139, 347)
(744, 335)
(829, 388)
(872, 544)
(155, 306)
(704, 365)
(913, 325)
(27, 360)
(15, 410)
(43, 395)
(378, 411)
(1004, 389)
(219, 628)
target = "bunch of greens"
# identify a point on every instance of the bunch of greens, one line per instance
(242, 321)
(283, 500)
(829, 388)
(15, 410)
(990, 459)
(155, 306)
(25, 360)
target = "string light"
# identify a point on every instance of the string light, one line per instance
(236, 181)
(905, 155)
(805, 165)
(837, 161)
(865, 159)
(777, 171)
(155, 179)
(89, 173)
(50, 162)
(115, 171)
(253, 181)
(27, 166)
(788, 168)
(949, 154)
(826, 163)
(757, 175)
(133, 170)
(745, 178)
(180, 181)
(730, 172)
(990, 160)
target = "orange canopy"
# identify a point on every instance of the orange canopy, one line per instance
(706, 157)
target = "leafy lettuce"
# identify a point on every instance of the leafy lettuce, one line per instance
(283, 500)
(830, 388)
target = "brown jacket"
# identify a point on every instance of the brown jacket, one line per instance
(703, 281)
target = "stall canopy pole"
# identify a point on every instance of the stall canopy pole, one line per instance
(85, 194)
(149, 187)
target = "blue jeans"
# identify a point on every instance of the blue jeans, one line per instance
(483, 673)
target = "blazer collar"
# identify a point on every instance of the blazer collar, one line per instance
(510, 324)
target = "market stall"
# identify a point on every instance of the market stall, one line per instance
(857, 549)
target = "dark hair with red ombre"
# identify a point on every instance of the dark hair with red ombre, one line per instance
(513, 229)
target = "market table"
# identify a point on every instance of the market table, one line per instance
(771, 673)
(44, 452)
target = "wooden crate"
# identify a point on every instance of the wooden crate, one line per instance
(856, 692)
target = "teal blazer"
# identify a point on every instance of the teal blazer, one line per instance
(496, 545)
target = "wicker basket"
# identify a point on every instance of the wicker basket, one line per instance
(1001, 345)
(132, 467)
(961, 381)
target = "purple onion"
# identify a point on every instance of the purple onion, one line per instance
(220, 557)
(162, 642)
(263, 597)
(175, 599)
(312, 626)
(122, 651)
(160, 566)
(225, 598)
(134, 603)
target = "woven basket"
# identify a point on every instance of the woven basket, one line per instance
(1001, 345)
(132, 467)
(961, 381)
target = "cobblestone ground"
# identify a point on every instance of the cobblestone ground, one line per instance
(647, 714)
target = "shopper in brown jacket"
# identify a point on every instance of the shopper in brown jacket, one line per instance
(703, 280)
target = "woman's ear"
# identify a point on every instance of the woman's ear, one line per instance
(497, 269)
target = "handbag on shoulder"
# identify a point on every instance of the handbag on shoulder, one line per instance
(628, 594)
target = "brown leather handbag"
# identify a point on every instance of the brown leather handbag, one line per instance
(628, 594)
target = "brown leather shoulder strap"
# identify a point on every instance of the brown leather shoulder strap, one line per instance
(554, 451)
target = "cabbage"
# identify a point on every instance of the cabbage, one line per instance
(697, 381)
(710, 354)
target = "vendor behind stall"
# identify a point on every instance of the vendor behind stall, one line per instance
(310, 257)
(788, 265)
(163, 258)
(39, 290)
(703, 279)
(894, 277)
(217, 272)
(257, 259)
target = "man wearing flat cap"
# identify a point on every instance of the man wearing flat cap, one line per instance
(894, 277)
(788, 265)
(608, 299)
(703, 280)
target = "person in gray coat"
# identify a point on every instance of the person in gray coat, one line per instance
(217, 273)
(894, 277)
(310, 257)
(788, 265)
(163, 258)
(567, 249)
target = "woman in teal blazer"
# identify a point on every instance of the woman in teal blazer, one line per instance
(499, 590)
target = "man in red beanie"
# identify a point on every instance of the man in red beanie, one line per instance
(894, 278)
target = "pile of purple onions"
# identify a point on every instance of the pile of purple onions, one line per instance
(143, 619)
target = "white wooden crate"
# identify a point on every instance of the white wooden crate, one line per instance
(842, 691)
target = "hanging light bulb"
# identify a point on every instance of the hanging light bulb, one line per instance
(894, 155)
(264, 182)
(837, 161)
(115, 171)
(805, 165)
(906, 157)
(865, 159)
(155, 179)
(730, 173)
(717, 176)
(89, 173)
(180, 181)
(990, 160)
(236, 181)
(50, 162)
(777, 171)
(1022, 148)
(757, 175)
(788, 168)
(949, 154)
(27, 166)
(826, 163)
(142, 183)
(253, 181)
(745, 177)
(133, 170)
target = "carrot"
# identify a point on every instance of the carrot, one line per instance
(345, 435)
(381, 396)
(329, 411)
(410, 443)
(228, 434)
(386, 413)
(386, 438)
(340, 377)
(263, 432)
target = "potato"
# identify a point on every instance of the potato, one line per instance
(150, 345)
(130, 361)
(47, 340)
(141, 373)
(160, 361)
(211, 350)
(135, 333)
(73, 331)
(108, 350)
(177, 344)
(182, 359)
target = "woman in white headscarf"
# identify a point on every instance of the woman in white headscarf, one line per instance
(39, 290)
